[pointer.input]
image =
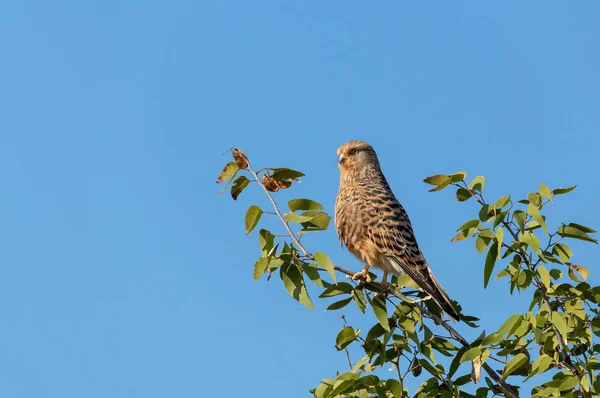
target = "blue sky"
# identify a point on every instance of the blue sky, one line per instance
(124, 274)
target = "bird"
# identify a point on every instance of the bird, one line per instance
(374, 226)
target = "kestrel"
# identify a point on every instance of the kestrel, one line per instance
(375, 227)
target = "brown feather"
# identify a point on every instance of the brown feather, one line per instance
(375, 227)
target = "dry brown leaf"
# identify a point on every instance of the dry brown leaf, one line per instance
(240, 158)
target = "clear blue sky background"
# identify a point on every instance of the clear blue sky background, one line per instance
(124, 274)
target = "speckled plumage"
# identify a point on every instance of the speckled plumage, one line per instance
(375, 227)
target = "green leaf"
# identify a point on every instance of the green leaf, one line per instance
(470, 354)
(573, 307)
(238, 186)
(443, 185)
(531, 240)
(481, 244)
(492, 338)
(304, 204)
(478, 183)
(535, 213)
(346, 336)
(500, 217)
(341, 386)
(516, 362)
(490, 261)
(381, 313)
(483, 239)
(229, 171)
(405, 281)
(596, 326)
(563, 251)
(266, 241)
(455, 364)
(545, 191)
(335, 290)
(568, 383)
(557, 320)
(583, 271)
(313, 274)
(484, 212)
(535, 198)
(500, 203)
(541, 364)
(562, 191)
(437, 179)
(358, 365)
(318, 219)
(442, 345)
(408, 325)
(377, 330)
(283, 174)
(576, 231)
(322, 260)
(499, 238)
(338, 304)
(509, 324)
(519, 217)
(323, 390)
(294, 283)
(369, 380)
(463, 194)
(461, 236)
(427, 351)
(458, 177)
(502, 273)
(394, 387)
(582, 227)
(544, 275)
(309, 230)
(556, 274)
(468, 225)
(462, 380)
(252, 217)
(260, 267)
(296, 218)
(359, 299)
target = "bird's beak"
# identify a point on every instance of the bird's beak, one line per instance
(342, 158)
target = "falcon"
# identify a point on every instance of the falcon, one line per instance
(374, 226)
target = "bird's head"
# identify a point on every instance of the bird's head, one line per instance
(356, 155)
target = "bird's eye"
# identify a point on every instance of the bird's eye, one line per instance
(354, 152)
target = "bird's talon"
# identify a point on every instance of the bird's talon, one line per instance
(364, 274)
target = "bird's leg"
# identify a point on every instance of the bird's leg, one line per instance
(364, 274)
(384, 279)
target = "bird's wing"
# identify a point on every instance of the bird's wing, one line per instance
(391, 231)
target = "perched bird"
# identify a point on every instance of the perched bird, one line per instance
(375, 227)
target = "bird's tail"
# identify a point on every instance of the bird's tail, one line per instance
(440, 296)
(425, 279)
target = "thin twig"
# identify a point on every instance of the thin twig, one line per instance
(400, 378)
(346, 348)
(411, 364)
